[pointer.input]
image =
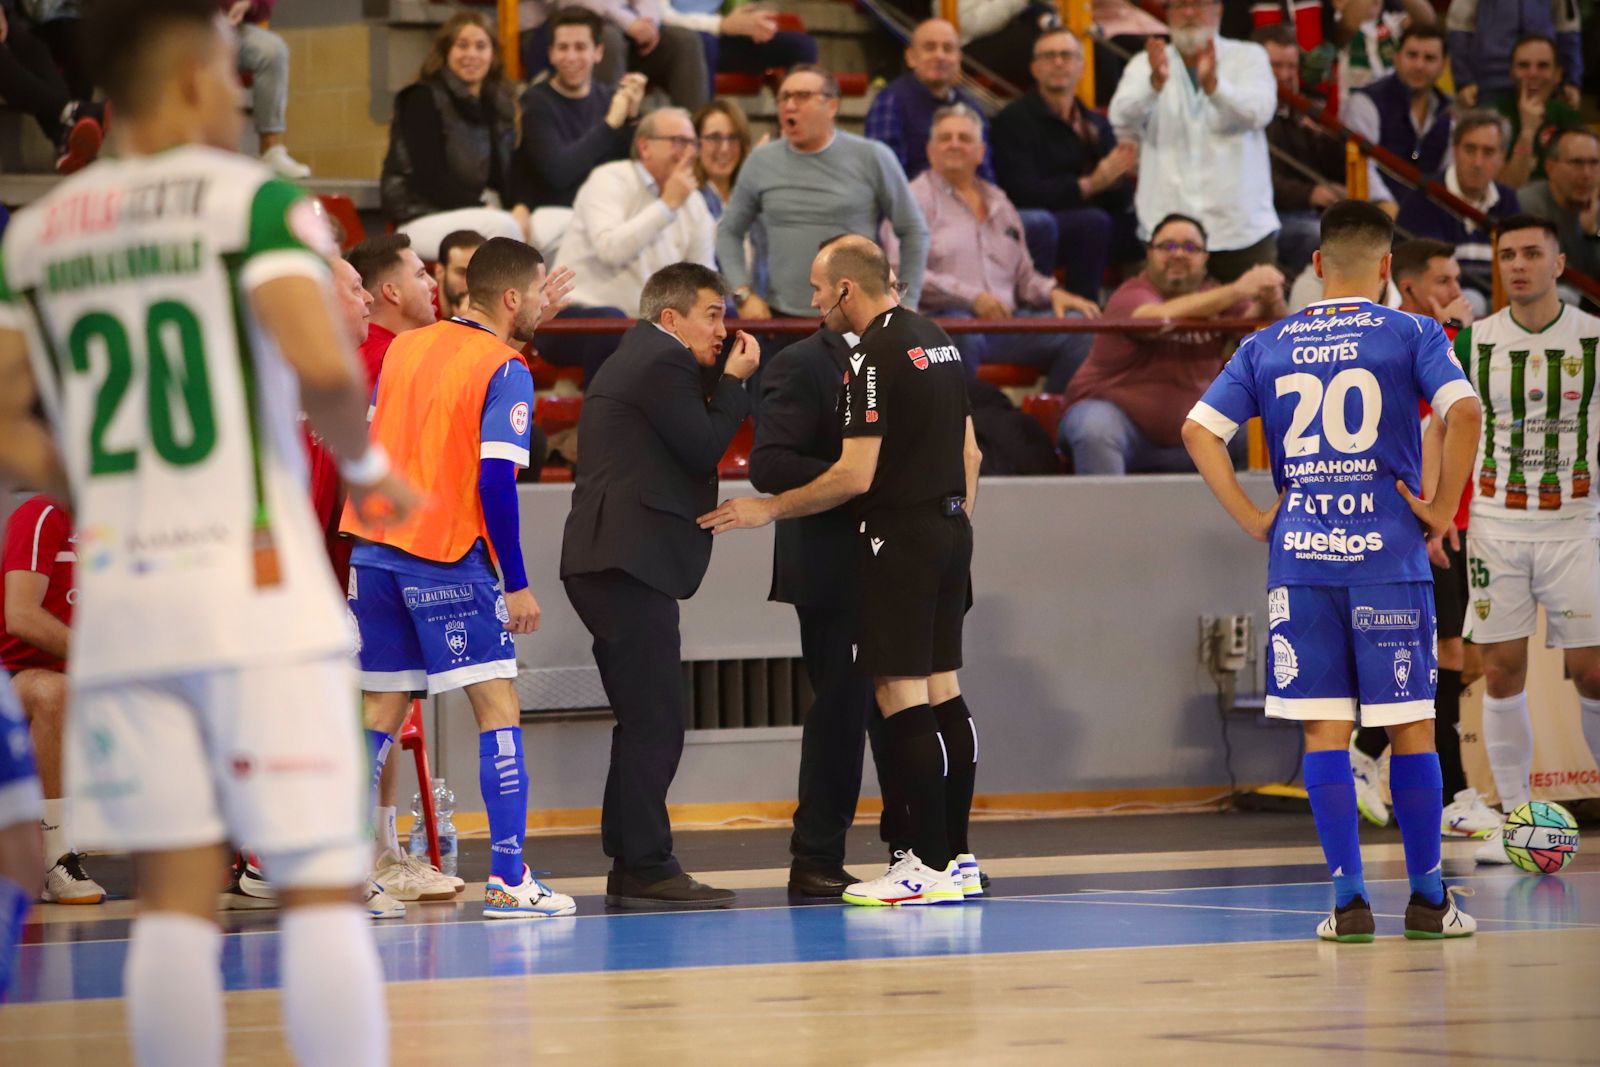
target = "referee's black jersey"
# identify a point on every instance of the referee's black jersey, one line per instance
(906, 385)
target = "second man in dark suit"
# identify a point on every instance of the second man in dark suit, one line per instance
(813, 568)
(651, 441)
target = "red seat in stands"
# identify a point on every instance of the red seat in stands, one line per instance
(556, 413)
(546, 375)
(732, 84)
(736, 460)
(342, 210)
(1009, 375)
(1046, 409)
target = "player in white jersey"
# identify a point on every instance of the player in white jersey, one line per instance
(176, 313)
(1534, 534)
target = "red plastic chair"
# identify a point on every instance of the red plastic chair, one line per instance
(342, 209)
(853, 84)
(1009, 375)
(546, 375)
(732, 84)
(736, 460)
(1046, 409)
(557, 413)
(412, 738)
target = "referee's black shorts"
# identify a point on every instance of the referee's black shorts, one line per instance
(1450, 591)
(914, 575)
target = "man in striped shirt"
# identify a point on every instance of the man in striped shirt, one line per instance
(35, 630)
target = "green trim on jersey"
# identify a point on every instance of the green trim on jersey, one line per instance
(1511, 313)
(270, 210)
(6, 295)
(247, 374)
(1516, 481)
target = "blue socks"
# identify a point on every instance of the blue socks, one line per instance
(1415, 783)
(503, 779)
(13, 908)
(1332, 788)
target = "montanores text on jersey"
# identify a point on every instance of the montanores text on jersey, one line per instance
(1540, 426)
(177, 417)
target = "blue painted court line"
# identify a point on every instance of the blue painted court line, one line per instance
(780, 935)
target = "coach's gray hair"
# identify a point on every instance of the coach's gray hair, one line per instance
(652, 122)
(678, 286)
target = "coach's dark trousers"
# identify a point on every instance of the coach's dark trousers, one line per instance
(636, 646)
(842, 715)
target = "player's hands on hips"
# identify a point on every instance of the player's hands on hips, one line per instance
(390, 499)
(738, 513)
(524, 611)
(744, 356)
(1438, 517)
(1436, 554)
(1260, 527)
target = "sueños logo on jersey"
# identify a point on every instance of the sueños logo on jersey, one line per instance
(1336, 545)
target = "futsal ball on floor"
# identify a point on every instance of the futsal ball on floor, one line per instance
(1541, 837)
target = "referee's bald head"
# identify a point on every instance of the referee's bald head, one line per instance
(857, 260)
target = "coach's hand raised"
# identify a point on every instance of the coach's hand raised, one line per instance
(739, 513)
(744, 356)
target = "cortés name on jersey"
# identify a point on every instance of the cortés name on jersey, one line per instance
(99, 210)
(921, 357)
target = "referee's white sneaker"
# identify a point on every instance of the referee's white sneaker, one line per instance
(1468, 816)
(970, 877)
(908, 881)
(531, 899)
(1492, 849)
(1369, 797)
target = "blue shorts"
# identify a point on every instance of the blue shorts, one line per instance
(20, 798)
(1335, 651)
(422, 635)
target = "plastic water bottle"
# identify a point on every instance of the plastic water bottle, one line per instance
(418, 843)
(444, 808)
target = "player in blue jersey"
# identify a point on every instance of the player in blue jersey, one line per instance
(1350, 601)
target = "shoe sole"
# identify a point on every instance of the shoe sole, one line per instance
(648, 904)
(72, 901)
(1429, 935)
(244, 902)
(83, 145)
(520, 914)
(805, 895)
(378, 916)
(1349, 939)
(431, 896)
(908, 902)
(1370, 817)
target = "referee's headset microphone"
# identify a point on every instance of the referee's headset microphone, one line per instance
(844, 291)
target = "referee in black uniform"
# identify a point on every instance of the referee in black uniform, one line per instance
(910, 461)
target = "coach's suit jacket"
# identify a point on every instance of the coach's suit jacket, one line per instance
(648, 447)
(797, 438)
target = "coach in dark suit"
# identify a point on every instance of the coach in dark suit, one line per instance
(649, 443)
(814, 568)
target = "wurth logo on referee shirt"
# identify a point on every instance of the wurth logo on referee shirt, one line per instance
(921, 357)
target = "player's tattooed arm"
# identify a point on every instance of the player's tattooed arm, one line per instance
(27, 454)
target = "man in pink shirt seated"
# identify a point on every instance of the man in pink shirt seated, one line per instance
(1127, 405)
(978, 262)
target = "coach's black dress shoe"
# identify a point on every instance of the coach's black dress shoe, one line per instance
(678, 893)
(807, 880)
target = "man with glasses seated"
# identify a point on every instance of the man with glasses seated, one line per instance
(630, 219)
(1570, 196)
(1127, 403)
(816, 182)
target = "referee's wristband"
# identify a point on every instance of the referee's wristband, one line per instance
(369, 470)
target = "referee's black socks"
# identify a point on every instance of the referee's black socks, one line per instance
(918, 756)
(961, 751)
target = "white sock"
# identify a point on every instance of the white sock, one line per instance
(1508, 740)
(57, 843)
(1590, 713)
(173, 984)
(388, 837)
(333, 1002)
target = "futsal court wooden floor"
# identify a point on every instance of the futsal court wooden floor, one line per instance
(1128, 940)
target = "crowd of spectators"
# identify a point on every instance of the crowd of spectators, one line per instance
(618, 158)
